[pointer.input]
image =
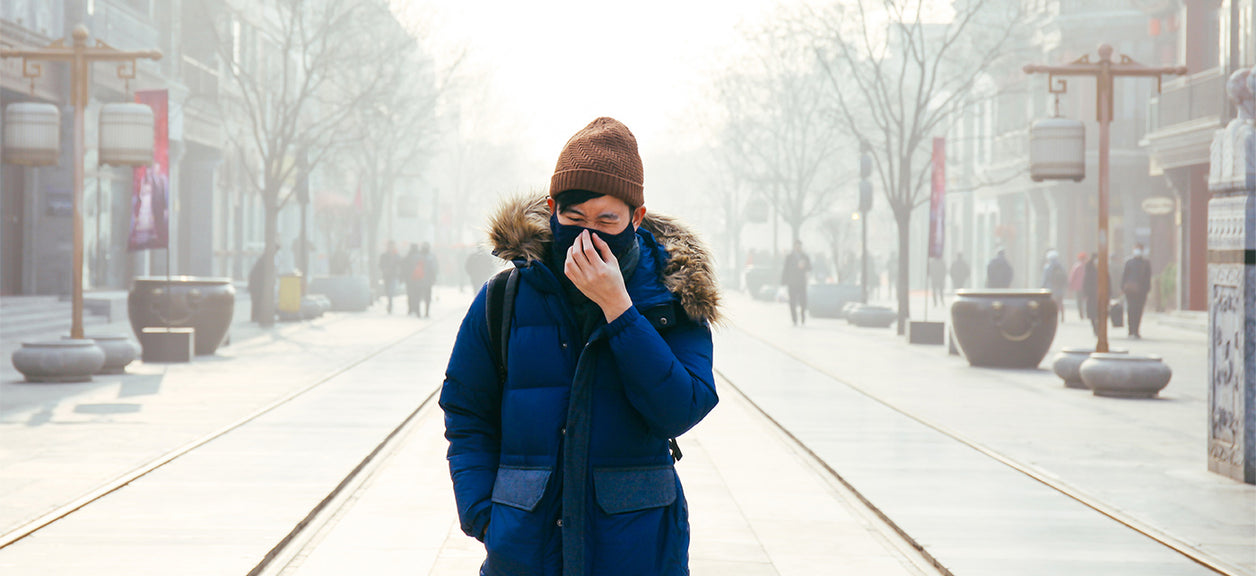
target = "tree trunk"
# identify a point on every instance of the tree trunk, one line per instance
(271, 235)
(903, 220)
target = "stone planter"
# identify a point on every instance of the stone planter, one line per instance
(204, 304)
(1125, 375)
(872, 316)
(1004, 328)
(1067, 365)
(59, 360)
(119, 351)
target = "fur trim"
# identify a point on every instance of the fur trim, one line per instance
(519, 230)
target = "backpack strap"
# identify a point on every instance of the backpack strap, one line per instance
(502, 288)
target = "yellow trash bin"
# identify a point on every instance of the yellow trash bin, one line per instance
(290, 295)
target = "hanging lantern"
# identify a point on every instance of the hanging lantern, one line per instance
(126, 134)
(32, 134)
(1057, 150)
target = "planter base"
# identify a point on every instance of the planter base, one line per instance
(1067, 365)
(59, 360)
(932, 333)
(1125, 375)
(168, 344)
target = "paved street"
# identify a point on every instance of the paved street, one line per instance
(914, 432)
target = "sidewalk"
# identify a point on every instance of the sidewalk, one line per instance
(757, 507)
(850, 403)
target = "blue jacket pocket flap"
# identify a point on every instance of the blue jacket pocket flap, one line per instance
(520, 487)
(622, 490)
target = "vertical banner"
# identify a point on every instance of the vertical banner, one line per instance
(937, 200)
(150, 193)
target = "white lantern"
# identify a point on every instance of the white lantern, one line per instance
(1057, 150)
(126, 134)
(32, 134)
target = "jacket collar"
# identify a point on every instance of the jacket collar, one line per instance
(670, 252)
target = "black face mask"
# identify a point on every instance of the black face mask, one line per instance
(565, 237)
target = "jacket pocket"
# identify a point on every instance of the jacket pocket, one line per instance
(621, 490)
(520, 488)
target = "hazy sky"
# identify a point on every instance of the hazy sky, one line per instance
(555, 65)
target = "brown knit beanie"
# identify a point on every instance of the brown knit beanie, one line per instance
(601, 158)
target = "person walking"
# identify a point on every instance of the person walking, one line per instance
(389, 266)
(423, 275)
(1136, 284)
(562, 459)
(794, 278)
(960, 272)
(999, 271)
(1090, 287)
(479, 266)
(409, 264)
(1055, 279)
(1076, 277)
(937, 279)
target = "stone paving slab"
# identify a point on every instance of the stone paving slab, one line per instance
(222, 507)
(1146, 458)
(757, 507)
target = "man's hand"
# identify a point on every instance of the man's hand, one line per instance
(595, 271)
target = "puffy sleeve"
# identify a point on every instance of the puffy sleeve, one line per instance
(471, 399)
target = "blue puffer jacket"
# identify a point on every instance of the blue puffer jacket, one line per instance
(565, 469)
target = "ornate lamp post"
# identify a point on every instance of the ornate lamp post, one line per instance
(117, 147)
(1105, 71)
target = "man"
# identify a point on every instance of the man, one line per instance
(410, 272)
(960, 271)
(937, 279)
(563, 466)
(389, 263)
(1076, 278)
(423, 274)
(999, 271)
(1136, 283)
(794, 278)
(1090, 287)
(1056, 280)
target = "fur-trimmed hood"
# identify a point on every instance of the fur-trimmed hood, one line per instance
(520, 231)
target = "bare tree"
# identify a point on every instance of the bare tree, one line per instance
(780, 134)
(298, 70)
(898, 72)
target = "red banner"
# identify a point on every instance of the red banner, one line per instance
(937, 200)
(150, 193)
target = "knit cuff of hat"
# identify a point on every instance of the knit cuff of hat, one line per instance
(630, 192)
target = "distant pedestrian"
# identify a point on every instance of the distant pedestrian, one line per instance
(1076, 277)
(999, 271)
(1055, 279)
(794, 278)
(389, 266)
(937, 279)
(960, 272)
(1136, 283)
(1090, 287)
(422, 277)
(408, 265)
(479, 267)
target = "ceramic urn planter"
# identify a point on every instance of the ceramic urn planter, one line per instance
(204, 304)
(1004, 328)
(1125, 375)
(1067, 365)
(59, 360)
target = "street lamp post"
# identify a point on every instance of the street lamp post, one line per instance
(80, 55)
(1104, 72)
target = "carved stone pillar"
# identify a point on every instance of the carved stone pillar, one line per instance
(1232, 290)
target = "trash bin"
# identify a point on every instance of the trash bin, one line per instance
(290, 297)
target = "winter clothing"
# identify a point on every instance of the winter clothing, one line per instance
(1136, 282)
(569, 456)
(999, 272)
(794, 277)
(601, 158)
